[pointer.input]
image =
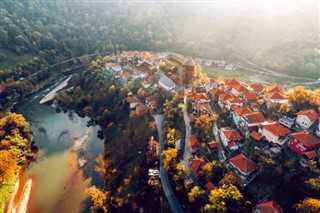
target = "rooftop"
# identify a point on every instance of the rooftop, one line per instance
(306, 138)
(245, 164)
(310, 113)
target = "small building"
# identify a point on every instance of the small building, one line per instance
(214, 94)
(237, 112)
(268, 207)
(146, 84)
(249, 122)
(154, 105)
(306, 118)
(141, 109)
(166, 83)
(116, 68)
(287, 121)
(243, 166)
(208, 63)
(2, 87)
(234, 102)
(303, 141)
(250, 97)
(228, 135)
(274, 98)
(126, 76)
(230, 67)
(132, 101)
(200, 108)
(211, 146)
(257, 88)
(255, 136)
(275, 88)
(239, 90)
(209, 187)
(196, 165)
(274, 133)
(223, 99)
(194, 143)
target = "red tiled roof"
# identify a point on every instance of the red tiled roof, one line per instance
(269, 207)
(201, 96)
(152, 77)
(251, 96)
(306, 138)
(245, 164)
(209, 186)
(275, 88)
(216, 91)
(225, 96)
(141, 109)
(196, 82)
(255, 136)
(154, 104)
(191, 94)
(203, 107)
(213, 145)
(275, 95)
(150, 98)
(310, 154)
(232, 144)
(126, 74)
(212, 80)
(232, 135)
(232, 82)
(132, 100)
(236, 100)
(277, 129)
(2, 87)
(146, 82)
(310, 113)
(256, 87)
(194, 142)
(240, 88)
(255, 117)
(197, 163)
(134, 206)
(242, 110)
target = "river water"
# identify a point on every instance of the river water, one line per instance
(58, 181)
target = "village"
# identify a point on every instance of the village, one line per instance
(245, 110)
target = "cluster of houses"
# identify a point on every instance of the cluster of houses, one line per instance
(220, 64)
(242, 103)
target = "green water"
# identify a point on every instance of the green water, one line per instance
(58, 181)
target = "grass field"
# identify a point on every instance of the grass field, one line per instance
(11, 59)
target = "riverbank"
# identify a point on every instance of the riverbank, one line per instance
(53, 92)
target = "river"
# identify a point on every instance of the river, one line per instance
(58, 181)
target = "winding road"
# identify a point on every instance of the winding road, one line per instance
(172, 199)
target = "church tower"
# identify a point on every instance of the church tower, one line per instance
(189, 68)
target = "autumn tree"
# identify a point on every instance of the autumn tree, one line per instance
(99, 199)
(204, 125)
(170, 156)
(102, 167)
(141, 93)
(228, 198)
(180, 172)
(315, 98)
(8, 165)
(308, 205)
(170, 137)
(299, 95)
(229, 179)
(195, 193)
(112, 90)
(313, 183)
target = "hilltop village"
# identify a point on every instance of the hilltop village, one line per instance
(222, 133)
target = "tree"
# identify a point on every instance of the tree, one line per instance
(180, 172)
(8, 165)
(204, 124)
(111, 90)
(169, 158)
(162, 64)
(170, 137)
(195, 193)
(308, 205)
(315, 98)
(141, 93)
(313, 183)
(99, 198)
(229, 178)
(299, 95)
(228, 198)
(102, 167)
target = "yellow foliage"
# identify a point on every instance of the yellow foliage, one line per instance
(99, 198)
(169, 158)
(308, 205)
(204, 123)
(195, 193)
(314, 183)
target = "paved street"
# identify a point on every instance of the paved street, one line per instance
(186, 154)
(173, 201)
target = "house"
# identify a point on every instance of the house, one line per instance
(132, 101)
(223, 99)
(287, 121)
(232, 145)
(238, 102)
(268, 207)
(209, 187)
(194, 143)
(250, 97)
(196, 165)
(149, 99)
(274, 98)
(2, 87)
(146, 84)
(274, 133)
(198, 86)
(141, 109)
(211, 84)
(230, 83)
(243, 166)
(221, 63)
(230, 67)
(229, 135)
(275, 88)
(152, 77)
(255, 136)
(306, 118)
(116, 68)
(211, 146)
(249, 122)
(136, 75)
(126, 76)
(303, 141)
(214, 94)
(166, 83)
(257, 88)
(237, 112)
(208, 63)
(202, 108)
(239, 90)
(154, 105)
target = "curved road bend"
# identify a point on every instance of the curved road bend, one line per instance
(172, 199)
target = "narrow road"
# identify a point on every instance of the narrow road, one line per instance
(186, 154)
(172, 199)
(221, 154)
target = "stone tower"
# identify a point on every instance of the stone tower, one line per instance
(189, 68)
